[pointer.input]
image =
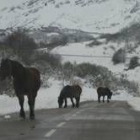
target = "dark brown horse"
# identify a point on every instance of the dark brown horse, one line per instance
(104, 91)
(70, 92)
(26, 82)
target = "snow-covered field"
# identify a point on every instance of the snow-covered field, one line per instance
(47, 98)
(100, 55)
(87, 15)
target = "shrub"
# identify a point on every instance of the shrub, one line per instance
(119, 56)
(96, 75)
(7, 87)
(94, 43)
(133, 62)
(21, 44)
(47, 62)
(54, 41)
(84, 69)
(129, 86)
(68, 70)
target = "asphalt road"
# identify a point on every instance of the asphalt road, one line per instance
(92, 121)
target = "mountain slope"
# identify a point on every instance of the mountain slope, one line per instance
(88, 15)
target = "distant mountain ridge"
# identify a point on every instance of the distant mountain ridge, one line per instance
(103, 16)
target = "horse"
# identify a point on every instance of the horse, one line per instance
(104, 91)
(71, 92)
(26, 81)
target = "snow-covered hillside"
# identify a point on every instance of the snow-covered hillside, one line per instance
(99, 55)
(87, 15)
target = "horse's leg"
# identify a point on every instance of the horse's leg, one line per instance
(77, 101)
(103, 99)
(31, 102)
(65, 103)
(107, 99)
(99, 98)
(73, 105)
(21, 102)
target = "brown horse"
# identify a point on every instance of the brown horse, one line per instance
(26, 82)
(70, 92)
(104, 91)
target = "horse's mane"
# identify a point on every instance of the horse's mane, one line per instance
(15, 63)
(18, 69)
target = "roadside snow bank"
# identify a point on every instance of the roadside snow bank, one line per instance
(47, 98)
(135, 103)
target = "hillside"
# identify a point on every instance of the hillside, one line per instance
(111, 23)
(103, 16)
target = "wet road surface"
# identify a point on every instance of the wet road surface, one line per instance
(92, 121)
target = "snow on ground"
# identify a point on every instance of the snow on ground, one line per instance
(135, 103)
(47, 98)
(102, 55)
(99, 55)
(9, 3)
(108, 16)
(80, 52)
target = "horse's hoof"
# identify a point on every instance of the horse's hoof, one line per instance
(73, 106)
(22, 118)
(22, 115)
(32, 117)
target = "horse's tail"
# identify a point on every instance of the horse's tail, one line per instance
(77, 90)
(80, 90)
(38, 77)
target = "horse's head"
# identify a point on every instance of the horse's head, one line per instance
(5, 68)
(60, 101)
